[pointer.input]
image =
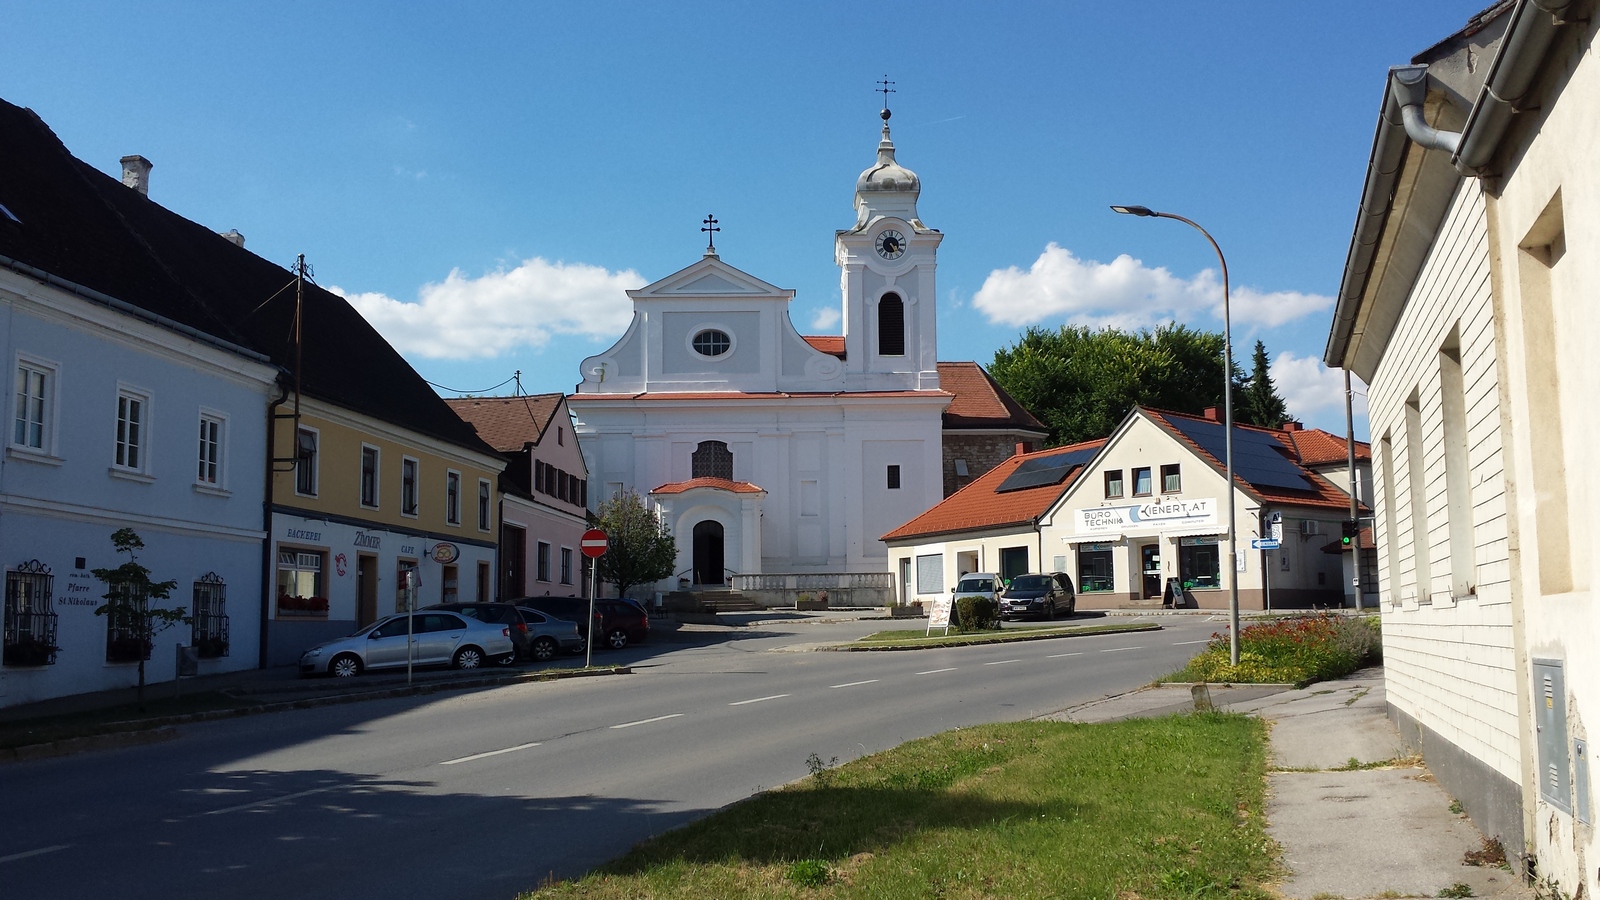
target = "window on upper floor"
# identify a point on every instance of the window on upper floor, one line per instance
(894, 478)
(1113, 484)
(1171, 479)
(133, 436)
(891, 326)
(711, 343)
(485, 512)
(1141, 482)
(408, 486)
(213, 430)
(369, 477)
(711, 459)
(305, 462)
(452, 498)
(34, 406)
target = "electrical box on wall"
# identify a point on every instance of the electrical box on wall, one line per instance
(1550, 717)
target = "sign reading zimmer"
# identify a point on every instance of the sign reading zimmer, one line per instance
(1154, 515)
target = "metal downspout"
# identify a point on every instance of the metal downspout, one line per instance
(267, 584)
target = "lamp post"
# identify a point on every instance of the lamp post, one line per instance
(1227, 419)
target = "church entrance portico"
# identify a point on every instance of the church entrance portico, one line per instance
(708, 556)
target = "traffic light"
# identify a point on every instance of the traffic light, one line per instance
(1352, 528)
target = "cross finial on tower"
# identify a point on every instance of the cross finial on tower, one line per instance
(886, 90)
(709, 226)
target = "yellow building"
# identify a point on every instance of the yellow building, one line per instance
(363, 502)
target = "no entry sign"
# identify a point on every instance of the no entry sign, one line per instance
(593, 543)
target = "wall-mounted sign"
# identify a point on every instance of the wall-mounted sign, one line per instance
(367, 539)
(1157, 515)
(1210, 541)
(446, 554)
(1095, 548)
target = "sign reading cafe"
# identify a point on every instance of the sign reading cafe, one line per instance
(1157, 515)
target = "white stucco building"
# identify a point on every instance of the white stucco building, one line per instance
(773, 455)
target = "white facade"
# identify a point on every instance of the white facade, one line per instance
(842, 450)
(77, 370)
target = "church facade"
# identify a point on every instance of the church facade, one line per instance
(777, 459)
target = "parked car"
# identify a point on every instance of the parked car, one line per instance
(978, 584)
(548, 635)
(497, 614)
(1037, 595)
(436, 638)
(619, 621)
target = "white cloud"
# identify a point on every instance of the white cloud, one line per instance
(1312, 390)
(1125, 293)
(468, 318)
(825, 319)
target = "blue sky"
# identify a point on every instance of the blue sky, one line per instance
(486, 179)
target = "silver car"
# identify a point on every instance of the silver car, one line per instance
(436, 638)
(550, 635)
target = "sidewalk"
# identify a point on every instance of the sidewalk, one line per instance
(1345, 830)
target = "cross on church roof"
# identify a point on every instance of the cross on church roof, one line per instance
(709, 224)
(886, 90)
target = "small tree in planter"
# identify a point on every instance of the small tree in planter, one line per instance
(130, 605)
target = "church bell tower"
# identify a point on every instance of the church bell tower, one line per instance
(887, 262)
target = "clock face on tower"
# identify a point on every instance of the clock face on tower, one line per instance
(891, 244)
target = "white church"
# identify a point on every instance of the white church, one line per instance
(778, 460)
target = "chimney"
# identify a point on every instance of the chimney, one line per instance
(233, 236)
(1213, 414)
(1292, 425)
(1023, 447)
(136, 173)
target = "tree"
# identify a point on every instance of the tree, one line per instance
(640, 549)
(1261, 404)
(1081, 383)
(130, 598)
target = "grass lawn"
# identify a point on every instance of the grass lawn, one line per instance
(917, 637)
(1168, 807)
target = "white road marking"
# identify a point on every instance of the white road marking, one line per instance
(758, 700)
(647, 721)
(40, 852)
(451, 762)
(272, 800)
(853, 683)
(1059, 655)
(1001, 662)
(937, 671)
(1182, 643)
(1115, 649)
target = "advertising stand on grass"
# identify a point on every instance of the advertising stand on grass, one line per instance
(941, 614)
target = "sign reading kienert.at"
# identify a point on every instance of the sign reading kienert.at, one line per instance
(1158, 515)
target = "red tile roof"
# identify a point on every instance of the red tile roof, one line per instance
(831, 344)
(979, 506)
(657, 396)
(1325, 494)
(721, 484)
(508, 423)
(980, 401)
(1319, 448)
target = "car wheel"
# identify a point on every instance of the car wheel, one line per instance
(508, 659)
(1050, 611)
(468, 658)
(345, 665)
(616, 639)
(544, 649)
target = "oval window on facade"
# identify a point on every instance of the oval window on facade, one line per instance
(712, 342)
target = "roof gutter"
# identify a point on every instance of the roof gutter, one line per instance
(1533, 27)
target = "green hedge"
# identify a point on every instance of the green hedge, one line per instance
(1290, 651)
(976, 613)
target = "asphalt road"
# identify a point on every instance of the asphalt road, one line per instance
(480, 794)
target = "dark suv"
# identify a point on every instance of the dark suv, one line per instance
(1043, 596)
(620, 621)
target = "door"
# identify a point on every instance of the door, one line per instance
(905, 580)
(1150, 565)
(708, 553)
(367, 590)
(437, 636)
(387, 645)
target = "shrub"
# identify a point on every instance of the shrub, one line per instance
(809, 873)
(1289, 650)
(975, 613)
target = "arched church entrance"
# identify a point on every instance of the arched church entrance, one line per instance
(708, 558)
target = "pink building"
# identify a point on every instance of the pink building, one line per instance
(543, 492)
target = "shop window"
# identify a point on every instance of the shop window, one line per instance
(1114, 484)
(402, 591)
(208, 617)
(450, 584)
(1171, 479)
(1141, 482)
(1095, 568)
(1200, 567)
(300, 591)
(30, 618)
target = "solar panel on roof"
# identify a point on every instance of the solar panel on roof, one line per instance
(1258, 457)
(1045, 470)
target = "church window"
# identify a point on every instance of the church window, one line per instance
(894, 478)
(891, 326)
(712, 342)
(711, 459)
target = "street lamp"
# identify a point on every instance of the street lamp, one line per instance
(1227, 418)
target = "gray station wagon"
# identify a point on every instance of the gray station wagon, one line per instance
(435, 638)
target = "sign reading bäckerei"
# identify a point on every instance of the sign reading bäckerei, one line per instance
(1154, 514)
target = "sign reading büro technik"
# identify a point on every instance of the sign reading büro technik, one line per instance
(1157, 515)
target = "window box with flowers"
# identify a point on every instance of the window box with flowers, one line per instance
(290, 606)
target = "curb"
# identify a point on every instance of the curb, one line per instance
(1132, 629)
(136, 732)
